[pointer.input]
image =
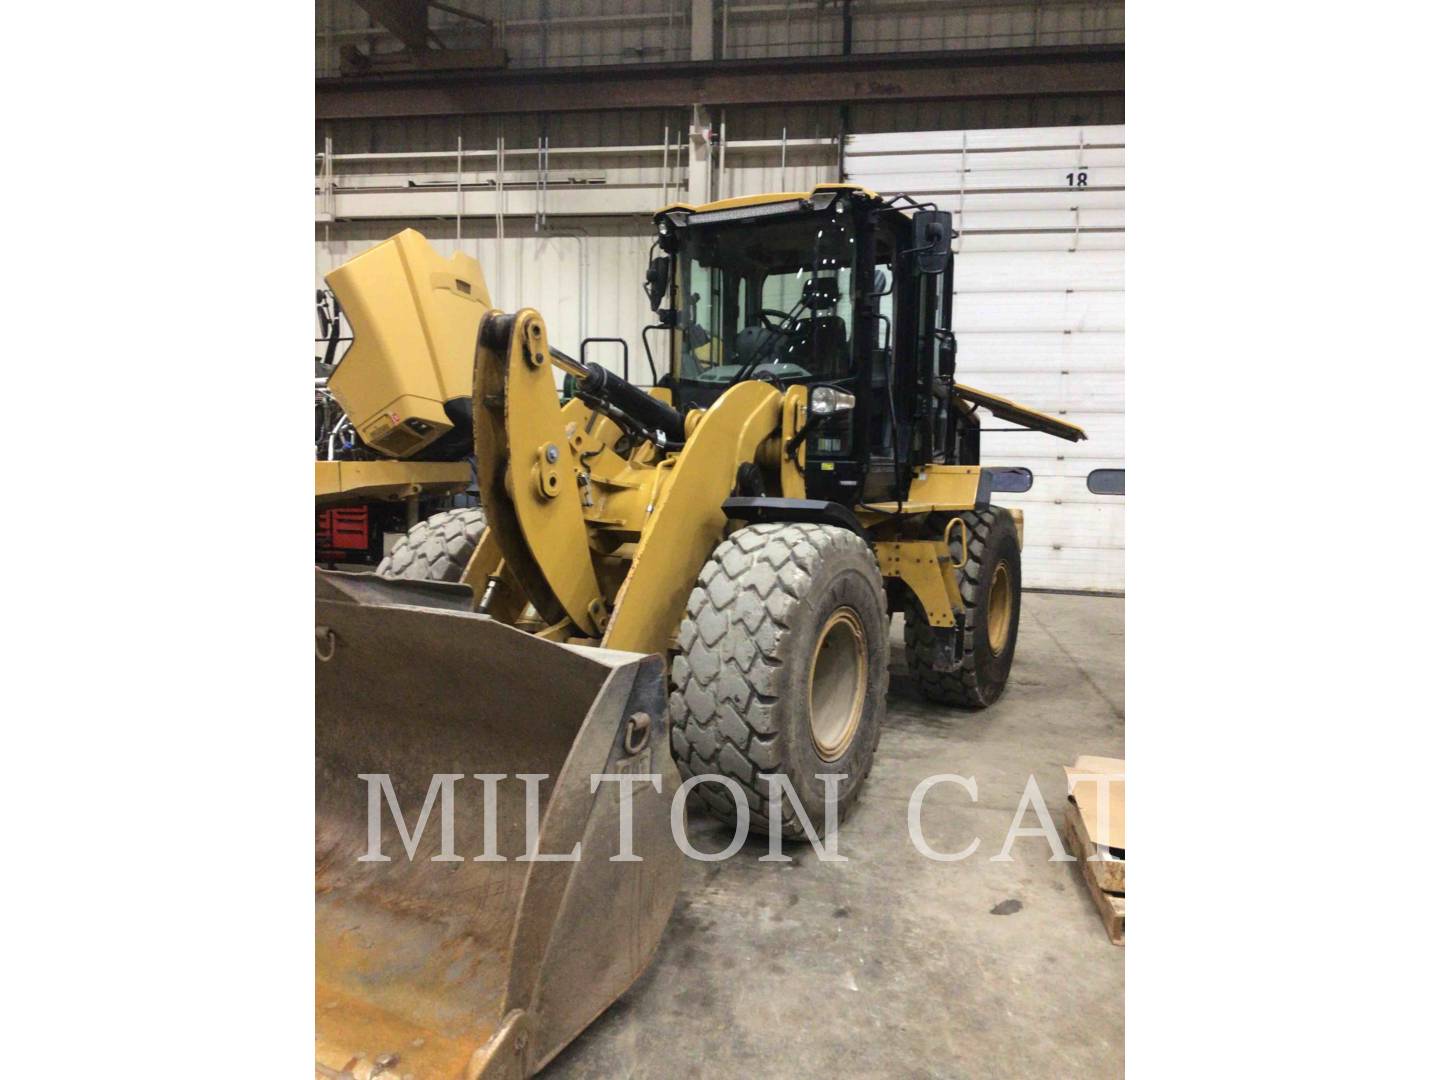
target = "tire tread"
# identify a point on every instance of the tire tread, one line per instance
(436, 549)
(727, 676)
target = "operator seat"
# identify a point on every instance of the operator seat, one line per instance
(824, 337)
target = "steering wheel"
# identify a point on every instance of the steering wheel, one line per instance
(766, 316)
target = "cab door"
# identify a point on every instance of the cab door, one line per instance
(887, 332)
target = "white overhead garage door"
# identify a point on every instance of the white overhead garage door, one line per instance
(1039, 313)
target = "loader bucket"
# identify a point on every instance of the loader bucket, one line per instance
(466, 960)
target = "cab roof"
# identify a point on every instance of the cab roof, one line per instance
(740, 201)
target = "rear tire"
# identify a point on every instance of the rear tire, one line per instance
(783, 668)
(436, 549)
(989, 620)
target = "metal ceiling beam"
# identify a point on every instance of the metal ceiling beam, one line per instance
(407, 20)
(928, 76)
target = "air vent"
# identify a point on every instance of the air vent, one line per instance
(399, 441)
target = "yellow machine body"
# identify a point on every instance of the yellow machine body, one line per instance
(414, 315)
(603, 547)
(740, 202)
(346, 481)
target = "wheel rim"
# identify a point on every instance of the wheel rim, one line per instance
(838, 681)
(997, 619)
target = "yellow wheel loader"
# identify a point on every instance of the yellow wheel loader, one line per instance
(690, 581)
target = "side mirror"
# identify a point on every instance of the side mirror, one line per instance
(657, 281)
(932, 240)
(1106, 482)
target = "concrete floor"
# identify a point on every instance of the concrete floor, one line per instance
(891, 965)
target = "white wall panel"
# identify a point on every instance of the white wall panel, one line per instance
(1039, 312)
(1043, 240)
(758, 179)
(1084, 199)
(944, 164)
(1106, 431)
(1031, 311)
(900, 177)
(1017, 271)
(1075, 353)
(999, 140)
(441, 202)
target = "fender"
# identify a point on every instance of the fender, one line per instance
(755, 510)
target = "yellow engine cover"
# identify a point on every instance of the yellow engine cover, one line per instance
(415, 315)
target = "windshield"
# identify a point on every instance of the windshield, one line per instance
(769, 299)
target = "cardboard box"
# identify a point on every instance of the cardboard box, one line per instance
(1095, 834)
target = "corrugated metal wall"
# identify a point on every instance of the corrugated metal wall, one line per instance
(644, 127)
(815, 29)
(635, 127)
(569, 33)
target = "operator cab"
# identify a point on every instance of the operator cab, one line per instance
(836, 288)
(770, 302)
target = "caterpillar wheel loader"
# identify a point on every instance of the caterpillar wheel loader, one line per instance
(804, 466)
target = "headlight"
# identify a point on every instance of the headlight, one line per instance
(827, 401)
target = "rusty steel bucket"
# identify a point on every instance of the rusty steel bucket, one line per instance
(463, 967)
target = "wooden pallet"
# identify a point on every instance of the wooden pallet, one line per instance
(1111, 905)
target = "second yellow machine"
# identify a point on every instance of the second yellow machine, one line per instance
(804, 466)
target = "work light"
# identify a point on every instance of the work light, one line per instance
(827, 401)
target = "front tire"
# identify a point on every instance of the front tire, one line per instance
(783, 668)
(436, 549)
(988, 621)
